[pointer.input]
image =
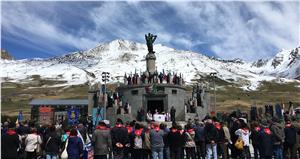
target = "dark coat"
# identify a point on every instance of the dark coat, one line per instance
(221, 136)
(290, 135)
(175, 140)
(254, 136)
(9, 145)
(75, 147)
(52, 143)
(101, 141)
(265, 142)
(210, 133)
(278, 131)
(199, 133)
(119, 135)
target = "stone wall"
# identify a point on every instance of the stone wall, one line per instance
(173, 95)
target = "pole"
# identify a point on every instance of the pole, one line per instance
(215, 97)
(105, 100)
(215, 94)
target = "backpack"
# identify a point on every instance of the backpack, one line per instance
(239, 144)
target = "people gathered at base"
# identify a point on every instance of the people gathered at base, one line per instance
(209, 138)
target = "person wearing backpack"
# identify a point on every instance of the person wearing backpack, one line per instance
(75, 145)
(244, 134)
(52, 143)
(278, 138)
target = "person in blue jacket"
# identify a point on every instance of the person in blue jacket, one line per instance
(75, 145)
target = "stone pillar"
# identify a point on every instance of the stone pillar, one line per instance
(150, 58)
(91, 102)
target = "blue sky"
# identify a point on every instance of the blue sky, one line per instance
(246, 30)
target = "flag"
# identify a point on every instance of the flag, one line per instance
(20, 116)
(154, 89)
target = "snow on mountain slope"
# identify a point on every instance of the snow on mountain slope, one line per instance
(120, 56)
(286, 64)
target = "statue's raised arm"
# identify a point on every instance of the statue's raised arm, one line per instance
(150, 38)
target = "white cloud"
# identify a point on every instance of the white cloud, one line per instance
(34, 30)
(232, 35)
(247, 30)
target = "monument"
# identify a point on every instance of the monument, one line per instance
(150, 57)
(155, 93)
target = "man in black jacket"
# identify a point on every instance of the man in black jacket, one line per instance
(211, 137)
(52, 143)
(290, 141)
(10, 143)
(265, 141)
(120, 139)
(176, 142)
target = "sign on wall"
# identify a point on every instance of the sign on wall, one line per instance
(45, 115)
(97, 115)
(73, 116)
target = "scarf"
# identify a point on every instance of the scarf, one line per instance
(267, 131)
(11, 132)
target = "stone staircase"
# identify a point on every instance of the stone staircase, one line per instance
(112, 116)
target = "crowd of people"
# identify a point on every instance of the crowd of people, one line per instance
(208, 138)
(157, 77)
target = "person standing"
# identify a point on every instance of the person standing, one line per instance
(75, 145)
(52, 143)
(173, 113)
(176, 142)
(32, 143)
(278, 138)
(120, 139)
(244, 134)
(265, 141)
(200, 140)
(10, 143)
(136, 143)
(290, 141)
(101, 140)
(222, 146)
(211, 137)
(255, 129)
(190, 145)
(157, 142)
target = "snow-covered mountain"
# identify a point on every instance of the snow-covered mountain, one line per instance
(120, 56)
(286, 64)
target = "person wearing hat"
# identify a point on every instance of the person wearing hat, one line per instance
(10, 143)
(278, 137)
(101, 140)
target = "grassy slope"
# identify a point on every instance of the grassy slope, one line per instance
(15, 97)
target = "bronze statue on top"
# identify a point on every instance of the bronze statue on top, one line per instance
(150, 38)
